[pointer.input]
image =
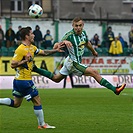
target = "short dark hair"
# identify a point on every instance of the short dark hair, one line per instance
(37, 26)
(24, 31)
(19, 26)
(76, 19)
(28, 27)
(109, 27)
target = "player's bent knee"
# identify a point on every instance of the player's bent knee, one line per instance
(17, 105)
(96, 72)
(56, 79)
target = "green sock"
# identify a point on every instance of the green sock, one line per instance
(108, 85)
(43, 72)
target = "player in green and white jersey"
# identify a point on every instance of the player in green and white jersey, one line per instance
(75, 41)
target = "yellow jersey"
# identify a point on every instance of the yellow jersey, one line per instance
(23, 72)
(116, 47)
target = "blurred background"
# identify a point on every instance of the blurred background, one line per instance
(106, 21)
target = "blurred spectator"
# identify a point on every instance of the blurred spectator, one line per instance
(38, 36)
(10, 37)
(48, 40)
(116, 47)
(123, 42)
(1, 36)
(95, 41)
(18, 35)
(130, 35)
(108, 36)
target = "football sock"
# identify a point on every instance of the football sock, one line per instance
(40, 116)
(43, 72)
(7, 101)
(108, 85)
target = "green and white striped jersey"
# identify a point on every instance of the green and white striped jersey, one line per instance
(78, 42)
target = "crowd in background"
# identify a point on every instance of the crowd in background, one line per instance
(111, 44)
(12, 39)
(114, 44)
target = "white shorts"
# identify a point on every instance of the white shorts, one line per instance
(72, 67)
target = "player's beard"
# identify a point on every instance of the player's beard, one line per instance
(32, 40)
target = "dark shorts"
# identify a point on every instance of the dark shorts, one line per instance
(24, 88)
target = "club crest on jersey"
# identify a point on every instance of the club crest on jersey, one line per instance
(81, 45)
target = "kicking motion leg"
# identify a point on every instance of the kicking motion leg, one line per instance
(10, 102)
(7, 101)
(43, 72)
(56, 78)
(94, 73)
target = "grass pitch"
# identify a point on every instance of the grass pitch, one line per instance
(72, 111)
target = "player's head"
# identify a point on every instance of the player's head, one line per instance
(132, 28)
(109, 28)
(27, 34)
(78, 25)
(37, 27)
(116, 38)
(19, 27)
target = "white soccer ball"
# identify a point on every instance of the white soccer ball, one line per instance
(35, 11)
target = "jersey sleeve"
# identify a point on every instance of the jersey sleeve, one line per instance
(86, 36)
(65, 37)
(18, 55)
(37, 51)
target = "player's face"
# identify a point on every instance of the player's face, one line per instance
(31, 37)
(78, 27)
(132, 28)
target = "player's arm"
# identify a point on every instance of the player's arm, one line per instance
(89, 46)
(58, 48)
(15, 64)
(66, 43)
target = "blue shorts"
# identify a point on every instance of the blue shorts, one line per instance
(24, 88)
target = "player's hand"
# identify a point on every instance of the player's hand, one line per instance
(67, 43)
(28, 57)
(59, 46)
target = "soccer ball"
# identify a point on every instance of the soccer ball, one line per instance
(35, 11)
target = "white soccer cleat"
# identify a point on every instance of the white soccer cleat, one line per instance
(46, 126)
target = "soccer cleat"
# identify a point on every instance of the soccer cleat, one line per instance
(119, 89)
(46, 126)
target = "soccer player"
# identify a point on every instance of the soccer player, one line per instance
(23, 86)
(78, 39)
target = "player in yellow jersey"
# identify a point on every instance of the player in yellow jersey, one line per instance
(23, 86)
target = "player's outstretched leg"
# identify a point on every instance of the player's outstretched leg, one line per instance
(16, 102)
(116, 90)
(119, 89)
(103, 82)
(43, 72)
(7, 102)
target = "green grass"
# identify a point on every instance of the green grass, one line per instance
(72, 111)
